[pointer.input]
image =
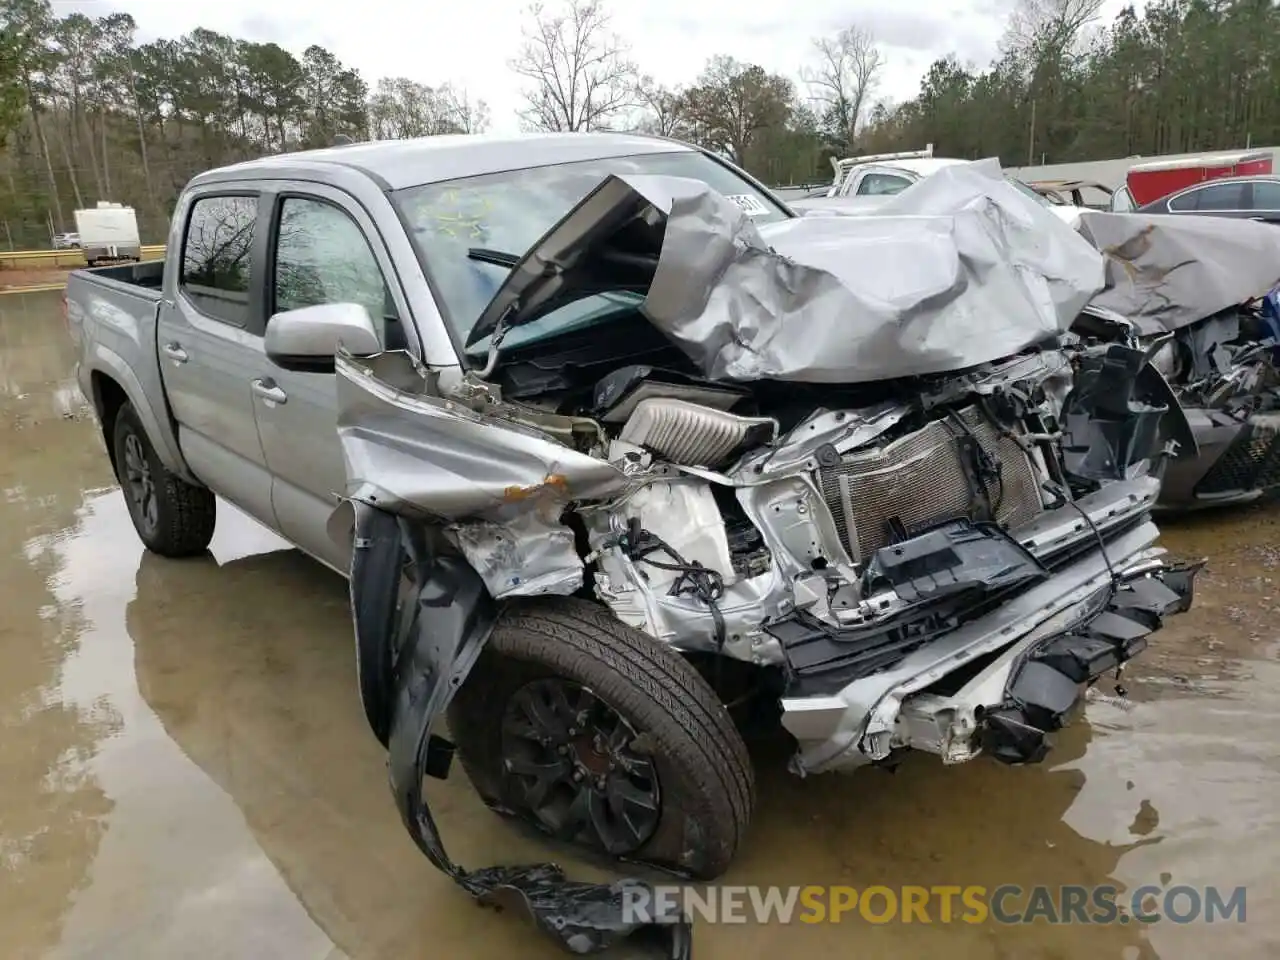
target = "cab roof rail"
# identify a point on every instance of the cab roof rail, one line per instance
(843, 166)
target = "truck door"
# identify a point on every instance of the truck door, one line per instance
(210, 342)
(324, 250)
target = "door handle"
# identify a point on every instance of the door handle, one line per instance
(175, 352)
(268, 390)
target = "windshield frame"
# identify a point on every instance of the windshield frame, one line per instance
(399, 197)
(1029, 191)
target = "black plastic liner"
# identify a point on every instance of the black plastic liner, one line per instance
(414, 650)
(948, 575)
(1120, 412)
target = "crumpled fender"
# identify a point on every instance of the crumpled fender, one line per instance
(410, 662)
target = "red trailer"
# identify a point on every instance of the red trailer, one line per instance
(1148, 182)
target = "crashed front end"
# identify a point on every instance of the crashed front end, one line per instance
(1202, 294)
(889, 490)
(913, 513)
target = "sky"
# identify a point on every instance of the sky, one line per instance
(471, 43)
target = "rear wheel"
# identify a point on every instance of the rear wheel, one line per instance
(172, 517)
(604, 737)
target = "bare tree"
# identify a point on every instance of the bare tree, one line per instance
(1048, 29)
(580, 72)
(402, 108)
(29, 39)
(662, 107)
(733, 104)
(842, 80)
(469, 116)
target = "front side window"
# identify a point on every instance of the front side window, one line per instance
(216, 254)
(1266, 195)
(509, 212)
(322, 256)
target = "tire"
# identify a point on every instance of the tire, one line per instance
(704, 782)
(181, 522)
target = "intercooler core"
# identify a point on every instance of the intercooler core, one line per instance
(938, 473)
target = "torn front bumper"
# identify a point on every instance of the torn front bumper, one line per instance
(1239, 461)
(1010, 708)
(981, 684)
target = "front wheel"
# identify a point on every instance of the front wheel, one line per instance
(605, 737)
(173, 518)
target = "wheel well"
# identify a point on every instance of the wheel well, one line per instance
(108, 398)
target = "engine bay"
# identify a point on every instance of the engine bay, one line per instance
(745, 441)
(822, 529)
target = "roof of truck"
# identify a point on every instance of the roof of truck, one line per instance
(406, 163)
(917, 167)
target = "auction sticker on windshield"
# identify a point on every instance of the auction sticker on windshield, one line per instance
(750, 204)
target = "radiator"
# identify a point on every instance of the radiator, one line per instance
(920, 480)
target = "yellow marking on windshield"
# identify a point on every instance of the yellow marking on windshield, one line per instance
(459, 215)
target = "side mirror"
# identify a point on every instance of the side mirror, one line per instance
(306, 339)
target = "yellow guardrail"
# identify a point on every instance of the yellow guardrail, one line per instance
(36, 259)
(33, 288)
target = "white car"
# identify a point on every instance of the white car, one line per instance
(865, 185)
(66, 241)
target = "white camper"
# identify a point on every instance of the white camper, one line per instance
(108, 231)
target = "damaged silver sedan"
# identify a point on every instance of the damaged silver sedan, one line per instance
(1202, 295)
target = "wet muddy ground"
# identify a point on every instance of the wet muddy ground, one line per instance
(185, 770)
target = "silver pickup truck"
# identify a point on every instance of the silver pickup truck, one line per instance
(628, 452)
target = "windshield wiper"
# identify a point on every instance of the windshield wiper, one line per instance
(497, 257)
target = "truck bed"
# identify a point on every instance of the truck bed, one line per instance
(147, 276)
(116, 306)
(112, 315)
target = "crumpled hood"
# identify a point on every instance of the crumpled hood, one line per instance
(959, 270)
(1165, 271)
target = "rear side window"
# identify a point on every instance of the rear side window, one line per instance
(1215, 196)
(1221, 196)
(216, 257)
(882, 184)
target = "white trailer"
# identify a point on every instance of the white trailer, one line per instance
(108, 231)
